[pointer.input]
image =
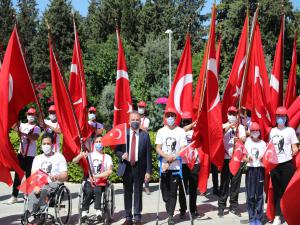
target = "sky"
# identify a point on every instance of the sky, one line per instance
(82, 5)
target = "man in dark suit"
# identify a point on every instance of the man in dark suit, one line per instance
(135, 166)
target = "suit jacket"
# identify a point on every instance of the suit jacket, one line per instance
(144, 154)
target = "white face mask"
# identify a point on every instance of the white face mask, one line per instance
(141, 110)
(47, 149)
(231, 118)
(52, 117)
(30, 118)
(92, 116)
(255, 134)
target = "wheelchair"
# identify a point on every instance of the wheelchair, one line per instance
(59, 200)
(107, 204)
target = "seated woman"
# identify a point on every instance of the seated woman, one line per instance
(55, 165)
(101, 168)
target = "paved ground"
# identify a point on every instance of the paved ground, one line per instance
(207, 207)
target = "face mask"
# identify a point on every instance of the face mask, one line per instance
(281, 120)
(170, 121)
(231, 118)
(30, 118)
(46, 149)
(98, 146)
(141, 111)
(52, 117)
(255, 134)
(135, 125)
(92, 116)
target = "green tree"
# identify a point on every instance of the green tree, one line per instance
(7, 21)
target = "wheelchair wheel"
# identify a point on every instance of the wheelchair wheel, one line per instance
(109, 203)
(80, 200)
(63, 205)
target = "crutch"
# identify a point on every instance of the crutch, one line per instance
(183, 187)
(158, 201)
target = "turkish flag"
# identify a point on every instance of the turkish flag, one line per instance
(270, 211)
(65, 116)
(233, 87)
(218, 54)
(208, 129)
(115, 136)
(203, 174)
(290, 203)
(14, 81)
(276, 81)
(270, 159)
(294, 113)
(77, 88)
(5, 176)
(37, 179)
(256, 91)
(123, 103)
(180, 97)
(291, 91)
(238, 155)
(188, 154)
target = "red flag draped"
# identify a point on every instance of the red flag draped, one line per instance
(123, 103)
(65, 116)
(188, 155)
(115, 136)
(291, 92)
(256, 89)
(270, 211)
(270, 159)
(180, 97)
(232, 91)
(238, 155)
(208, 129)
(37, 179)
(203, 174)
(276, 81)
(77, 88)
(294, 113)
(15, 81)
(218, 54)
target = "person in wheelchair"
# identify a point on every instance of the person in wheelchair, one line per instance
(101, 166)
(55, 165)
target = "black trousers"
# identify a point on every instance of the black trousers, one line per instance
(89, 193)
(230, 186)
(169, 187)
(133, 184)
(215, 177)
(255, 177)
(281, 176)
(25, 164)
(190, 179)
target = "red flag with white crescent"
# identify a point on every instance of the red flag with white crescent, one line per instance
(276, 81)
(188, 154)
(122, 103)
(77, 88)
(180, 97)
(270, 159)
(116, 136)
(238, 154)
(291, 89)
(208, 129)
(233, 88)
(15, 81)
(37, 179)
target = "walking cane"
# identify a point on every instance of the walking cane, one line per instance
(159, 180)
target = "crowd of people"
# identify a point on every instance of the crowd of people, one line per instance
(135, 163)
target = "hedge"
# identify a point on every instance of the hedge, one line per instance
(74, 170)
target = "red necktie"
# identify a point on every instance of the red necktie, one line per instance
(132, 150)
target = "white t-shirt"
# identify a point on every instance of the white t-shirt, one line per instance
(171, 141)
(256, 150)
(282, 140)
(96, 160)
(52, 165)
(56, 144)
(228, 138)
(27, 128)
(145, 122)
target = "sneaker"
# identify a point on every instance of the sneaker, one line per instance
(235, 212)
(12, 200)
(195, 214)
(276, 221)
(182, 215)
(220, 212)
(147, 191)
(99, 214)
(171, 220)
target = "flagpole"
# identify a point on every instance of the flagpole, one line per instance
(245, 74)
(65, 85)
